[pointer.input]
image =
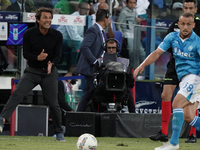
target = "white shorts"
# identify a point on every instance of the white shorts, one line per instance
(190, 88)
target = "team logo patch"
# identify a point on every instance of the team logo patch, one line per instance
(190, 48)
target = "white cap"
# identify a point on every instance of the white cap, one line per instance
(177, 5)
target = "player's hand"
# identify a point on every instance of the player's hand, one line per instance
(138, 70)
(42, 56)
(49, 67)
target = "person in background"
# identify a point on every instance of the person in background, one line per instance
(176, 11)
(186, 52)
(112, 46)
(127, 18)
(67, 6)
(4, 4)
(109, 30)
(65, 92)
(95, 5)
(73, 36)
(171, 80)
(91, 49)
(117, 6)
(42, 46)
(18, 7)
(141, 7)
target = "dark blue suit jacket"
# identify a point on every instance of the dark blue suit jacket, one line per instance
(15, 7)
(91, 49)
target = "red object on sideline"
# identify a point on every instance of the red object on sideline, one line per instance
(133, 89)
(12, 119)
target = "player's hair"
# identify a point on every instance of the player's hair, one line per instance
(187, 15)
(39, 13)
(194, 1)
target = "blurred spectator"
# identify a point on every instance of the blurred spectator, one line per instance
(11, 54)
(92, 11)
(111, 27)
(117, 6)
(35, 4)
(65, 92)
(4, 4)
(67, 6)
(73, 36)
(95, 5)
(17, 6)
(3, 61)
(155, 12)
(141, 8)
(162, 7)
(42, 3)
(176, 11)
(159, 3)
(127, 19)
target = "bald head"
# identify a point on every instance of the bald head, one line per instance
(103, 6)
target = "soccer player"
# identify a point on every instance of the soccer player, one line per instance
(186, 52)
(171, 80)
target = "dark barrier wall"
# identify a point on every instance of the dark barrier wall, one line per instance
(116, 125)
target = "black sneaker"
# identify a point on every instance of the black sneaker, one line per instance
(1, 124)
(60, 137)
(191, 139)
(159, 137)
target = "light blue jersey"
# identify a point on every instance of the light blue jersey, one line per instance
(186, 53)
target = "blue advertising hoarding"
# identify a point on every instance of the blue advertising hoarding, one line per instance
(9, 16)
(16, 31)
(163, 23)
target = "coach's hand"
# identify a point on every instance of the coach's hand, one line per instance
(42, 56)
(49, 67)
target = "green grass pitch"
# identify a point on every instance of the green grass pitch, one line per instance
(104, 143)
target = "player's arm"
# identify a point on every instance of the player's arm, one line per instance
(149, 60)
(156, 54)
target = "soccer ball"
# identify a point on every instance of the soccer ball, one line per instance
(86, 142)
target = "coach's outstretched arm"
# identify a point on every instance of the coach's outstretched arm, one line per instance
(149, 60)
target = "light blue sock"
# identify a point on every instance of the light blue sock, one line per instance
(177, 122)
(196, 123)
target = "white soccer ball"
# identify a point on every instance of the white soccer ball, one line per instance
(86, 142)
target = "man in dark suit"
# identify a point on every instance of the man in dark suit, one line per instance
(91, 49)
(17, 6)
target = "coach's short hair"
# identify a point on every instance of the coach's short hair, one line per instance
(101, 14)
(39, 13)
